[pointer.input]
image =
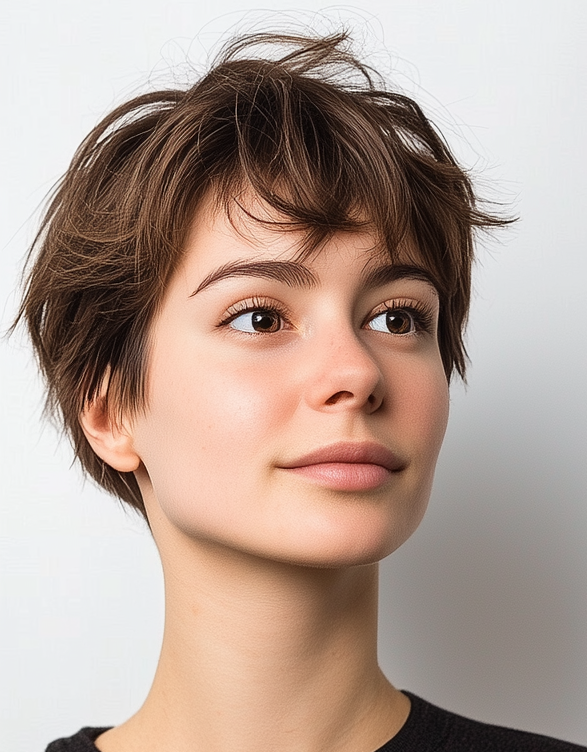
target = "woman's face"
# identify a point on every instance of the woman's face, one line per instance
(295, 412)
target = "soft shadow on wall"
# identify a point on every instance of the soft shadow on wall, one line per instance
(484, 610)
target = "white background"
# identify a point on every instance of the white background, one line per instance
(484, 611)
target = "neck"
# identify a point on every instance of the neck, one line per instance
(264, 655)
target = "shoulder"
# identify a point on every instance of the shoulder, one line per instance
(430, 728)
(83, 741)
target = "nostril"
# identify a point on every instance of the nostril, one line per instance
(336, 397)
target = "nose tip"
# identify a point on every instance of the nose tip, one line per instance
(346, 376)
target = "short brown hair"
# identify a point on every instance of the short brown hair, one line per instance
(313, 132)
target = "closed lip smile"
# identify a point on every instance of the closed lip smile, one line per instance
(346, 466)
(346, 452)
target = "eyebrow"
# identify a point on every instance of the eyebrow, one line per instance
(295, 274)
(291, 273)
(383, 275)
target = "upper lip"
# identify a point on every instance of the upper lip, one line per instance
(367, 452)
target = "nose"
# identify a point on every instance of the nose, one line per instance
(344, 374)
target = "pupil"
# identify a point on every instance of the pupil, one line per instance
(264, 321)
(399, 322)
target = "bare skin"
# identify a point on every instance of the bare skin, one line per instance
(271, 573)
(264, 658)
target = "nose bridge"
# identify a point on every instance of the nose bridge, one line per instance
(344, 371)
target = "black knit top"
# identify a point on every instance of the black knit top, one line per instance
(427, 729)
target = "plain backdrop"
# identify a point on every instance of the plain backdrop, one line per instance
(484, 610)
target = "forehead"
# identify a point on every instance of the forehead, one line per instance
(252, 230)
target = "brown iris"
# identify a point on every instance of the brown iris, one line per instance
(399, 322)
(265, 321)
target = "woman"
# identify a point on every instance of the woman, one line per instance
(248, 301)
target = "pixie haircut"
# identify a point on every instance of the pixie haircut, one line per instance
(299, 122)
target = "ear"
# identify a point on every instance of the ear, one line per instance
(109, 439)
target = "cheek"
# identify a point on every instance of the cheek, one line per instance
(209, 421)
(423, 400)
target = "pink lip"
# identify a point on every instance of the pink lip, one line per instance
(365, 453)
(347, 466)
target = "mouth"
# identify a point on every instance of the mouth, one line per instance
(347, 466)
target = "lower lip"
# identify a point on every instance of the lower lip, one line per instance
(345, 476)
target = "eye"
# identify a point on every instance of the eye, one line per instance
(261, 320)
(394, 321)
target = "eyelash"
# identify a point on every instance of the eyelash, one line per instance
(255, 304)
(422, 314)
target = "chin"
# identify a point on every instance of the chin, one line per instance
(326, 532)
(349, 545)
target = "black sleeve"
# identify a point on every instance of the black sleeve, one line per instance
(432, 729)
(83, 741)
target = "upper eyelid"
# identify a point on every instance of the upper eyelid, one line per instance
(254, 302)
(419, 306)
(262, 302)
(405, 301)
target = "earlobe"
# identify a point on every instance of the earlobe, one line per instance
(109, 438)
